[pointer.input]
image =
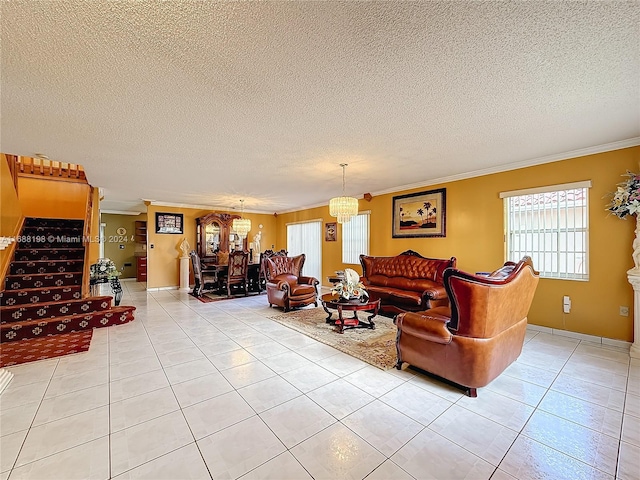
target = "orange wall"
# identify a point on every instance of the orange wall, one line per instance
(163, 264)
(10, 212)
(475, 235)
(44, 198)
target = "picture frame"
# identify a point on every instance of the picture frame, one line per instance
(170, 223)
(421, 214)
(330, 231)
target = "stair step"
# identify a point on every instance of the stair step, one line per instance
(77, 242)
(55, 231)
(15, 282)
(53, 222)
(39, 254)
(37, 311)
(45, 266)
(32, 349)
(36, 295)
(12, 332)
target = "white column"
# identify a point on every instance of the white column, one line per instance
(634, 280)
(5, 378)
(184, 273)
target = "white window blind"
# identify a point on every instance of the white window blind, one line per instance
(550, 224)
(306, 237)
(355, 238)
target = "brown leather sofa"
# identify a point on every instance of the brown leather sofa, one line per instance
(286, 286)
(407, 282)
(481, 334)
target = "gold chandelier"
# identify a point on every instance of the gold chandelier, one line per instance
(343, 208)
(241, 226)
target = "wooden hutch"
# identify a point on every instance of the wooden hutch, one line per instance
(214, 234)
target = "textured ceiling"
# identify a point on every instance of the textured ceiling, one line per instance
(205, 103)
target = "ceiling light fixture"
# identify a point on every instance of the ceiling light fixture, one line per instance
(241, 226)
(343, 208)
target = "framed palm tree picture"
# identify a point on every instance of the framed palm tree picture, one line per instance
(420, 214)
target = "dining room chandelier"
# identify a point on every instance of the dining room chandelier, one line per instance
(241, 226)
(343, 207)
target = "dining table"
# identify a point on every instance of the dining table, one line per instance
(221, 271)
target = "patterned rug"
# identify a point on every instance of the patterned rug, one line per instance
(30, 350)
(376, 347)
(209, 297)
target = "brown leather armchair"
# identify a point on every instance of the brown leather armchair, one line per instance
(471, 342)
(262, 275)
(286, 286)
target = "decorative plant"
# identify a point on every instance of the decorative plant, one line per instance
(626, 199)
(104, 268)
(350, 287)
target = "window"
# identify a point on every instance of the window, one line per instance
(550, 225)
(306, 237)
(355, 238)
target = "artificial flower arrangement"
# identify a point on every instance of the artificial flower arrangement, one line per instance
(104, 268)
(626, 199)
(351, 287)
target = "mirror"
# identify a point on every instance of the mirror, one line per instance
(212, 238)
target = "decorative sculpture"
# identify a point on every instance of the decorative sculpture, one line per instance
(256, 242)
(185, 248)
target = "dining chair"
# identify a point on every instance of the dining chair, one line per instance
(205, 280)
(237, 272)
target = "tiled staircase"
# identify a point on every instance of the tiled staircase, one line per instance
(42, 293)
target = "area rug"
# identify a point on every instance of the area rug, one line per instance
(30, 350)
(214, 297)
(376, 347)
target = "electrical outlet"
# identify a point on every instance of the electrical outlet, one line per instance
(624, 311)
(566, 304)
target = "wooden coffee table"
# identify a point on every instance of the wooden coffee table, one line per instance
(334, 302)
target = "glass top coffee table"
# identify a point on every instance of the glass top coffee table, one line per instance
(333, 302)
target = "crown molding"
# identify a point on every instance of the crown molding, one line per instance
(156, 203)
(582, 152)
(121, 212)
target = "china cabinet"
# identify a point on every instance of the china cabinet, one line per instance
(214, 234)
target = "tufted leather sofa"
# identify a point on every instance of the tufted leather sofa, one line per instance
(286, 286)
(406, 282)
(481, 334)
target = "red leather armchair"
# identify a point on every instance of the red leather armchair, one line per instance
(286, 286)
(482, 332)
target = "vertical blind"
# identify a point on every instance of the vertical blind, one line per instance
(550, 225)
(306, 237)
(355, 238)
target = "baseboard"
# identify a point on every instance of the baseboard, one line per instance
(580, 336)
(160, 289)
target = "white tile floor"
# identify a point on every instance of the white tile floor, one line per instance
(197, 391)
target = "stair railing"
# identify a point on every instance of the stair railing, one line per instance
(86, 242)
(51, 168)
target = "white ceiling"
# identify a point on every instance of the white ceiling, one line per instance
(205, 103)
